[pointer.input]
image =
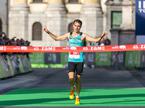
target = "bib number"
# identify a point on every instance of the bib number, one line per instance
(74, 55)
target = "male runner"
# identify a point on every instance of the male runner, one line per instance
(75, 59)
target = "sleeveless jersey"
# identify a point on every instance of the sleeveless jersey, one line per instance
(75, 41)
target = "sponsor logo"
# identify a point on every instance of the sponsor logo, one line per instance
(24, 48)
(73, 48)
(123, 47)
(141, 6)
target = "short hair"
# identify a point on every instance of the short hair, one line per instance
(78, 21)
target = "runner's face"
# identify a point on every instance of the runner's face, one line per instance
(76, 27)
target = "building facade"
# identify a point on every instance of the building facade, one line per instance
(4, 16)
(120, 21)
(27, 18)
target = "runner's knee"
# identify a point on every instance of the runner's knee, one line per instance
(71, 75)
(79, 76)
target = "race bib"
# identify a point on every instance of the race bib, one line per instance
(74, 55)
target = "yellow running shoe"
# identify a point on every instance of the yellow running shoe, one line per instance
(77, 101)
(71, 96)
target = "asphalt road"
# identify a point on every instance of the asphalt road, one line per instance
(91, 78)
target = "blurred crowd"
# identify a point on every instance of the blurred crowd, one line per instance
(13, 63)
(101, 43)
(5, 40)
(105, 42)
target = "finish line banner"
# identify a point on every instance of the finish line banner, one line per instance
(33, 49)
(140, 21)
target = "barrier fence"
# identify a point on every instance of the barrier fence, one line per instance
(122, 56)
(14, 64)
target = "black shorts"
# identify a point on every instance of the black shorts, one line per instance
(76, 67)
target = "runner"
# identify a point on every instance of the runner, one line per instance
(75, 59)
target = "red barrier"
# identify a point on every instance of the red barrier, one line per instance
(134, 47)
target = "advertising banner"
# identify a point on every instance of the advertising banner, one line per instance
(103, 59)
(140, 21)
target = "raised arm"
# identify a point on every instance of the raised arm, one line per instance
(95, 39)
(56, 37)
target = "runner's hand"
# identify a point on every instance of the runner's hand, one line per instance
(46, 30)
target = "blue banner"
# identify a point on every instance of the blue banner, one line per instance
(140, 21)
